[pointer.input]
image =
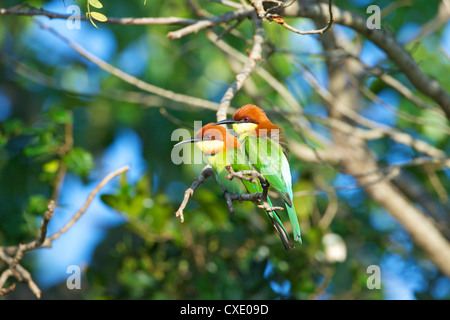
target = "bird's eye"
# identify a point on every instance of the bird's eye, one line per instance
(246, 119)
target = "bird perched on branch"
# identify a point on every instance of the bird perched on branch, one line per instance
(262, 145)
(221, 149)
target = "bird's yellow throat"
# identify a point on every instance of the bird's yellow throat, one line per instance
(241, 128)
(210, 146)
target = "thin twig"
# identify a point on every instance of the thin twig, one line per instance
(254, 177)
(249, 67)
(388, 173)
(377, 128)
(129, 78)
(24, 274)
(206, 172)
(279, 19)
(12, 255)
(32, 11)
(249, 175)
(385, 40)
(259, 8)
(203, 24)
(86, 205)
(230, 28)
(4, 277)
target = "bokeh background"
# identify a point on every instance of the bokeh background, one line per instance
(129, 243)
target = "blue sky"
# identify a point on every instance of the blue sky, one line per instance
(77, 245)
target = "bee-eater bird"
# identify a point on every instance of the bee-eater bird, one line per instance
(260, 143)
(221, 149)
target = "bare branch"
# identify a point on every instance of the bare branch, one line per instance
(259, 8)
(203, 24)
(279, 19)
(13, 255)
(229, 3)
(206, 173)
(250, 175)
(85, 206)
(249, 67)
(31, 11)
(3, 278)
(412, 188)
(24, 275)
(22, 248)
(383, 39)
(377, 128)
(253, 176)
(131, 79)
(400, 88)
(356, 158)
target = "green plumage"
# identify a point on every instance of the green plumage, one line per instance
(238, 161)
(218, 162)
(268, 158)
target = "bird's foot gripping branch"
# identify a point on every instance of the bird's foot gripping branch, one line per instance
(247, 175)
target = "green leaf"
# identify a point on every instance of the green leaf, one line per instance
(60, 116)
(3, 139)
(33, 151)
(304, 205)
(143, 186)
(96, 3)
(79, 161)
(13, 126)
(433, 125)
(98, 16)
(51, 166)
(37, 204)
(112, 201)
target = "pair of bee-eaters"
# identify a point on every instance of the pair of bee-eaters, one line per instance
(258, 148)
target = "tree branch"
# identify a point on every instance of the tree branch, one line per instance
(279, 19)
(249, 175)
(32, 11)
(377, 129)
(356, 158)
(383, 39)
(249, 67)
(12, 255)
(206, 173)
(131, 79)
(203, 24)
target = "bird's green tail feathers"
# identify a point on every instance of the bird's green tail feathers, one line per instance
(294, 222)
(278, 225)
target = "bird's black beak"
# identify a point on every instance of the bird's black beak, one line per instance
(191, 140)
(226, 121)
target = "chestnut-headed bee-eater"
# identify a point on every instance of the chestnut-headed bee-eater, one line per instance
(221, 149)
(261, 145)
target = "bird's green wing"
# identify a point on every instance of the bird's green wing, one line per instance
(268, 158)
(218, 162)
(240, 163)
